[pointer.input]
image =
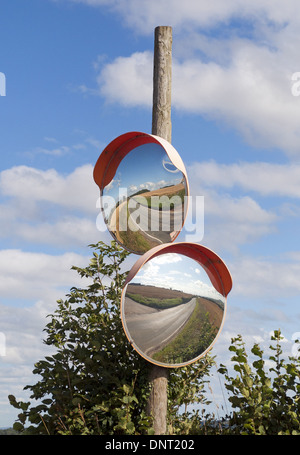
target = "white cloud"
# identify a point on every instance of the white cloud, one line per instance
(67, 232)
(23, 330)
(148, 274)
(27, 275)
(261, 277)
(229, 221)
(293, 256)
(266, 179)
(252, 93)
(47, 207)
(143, 15)
(167, 258)
(40, 279)
(241, 77)
(58, 151)
(76, 190)
(128, 80)
(239, 200)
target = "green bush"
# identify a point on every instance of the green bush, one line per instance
(95, 382)
(265, 402)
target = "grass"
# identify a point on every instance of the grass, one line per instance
(154, 302)
(133, 240)
(196, 336)
(163, 202)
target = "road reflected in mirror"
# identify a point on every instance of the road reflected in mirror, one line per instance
(171, 312)
(144, 205)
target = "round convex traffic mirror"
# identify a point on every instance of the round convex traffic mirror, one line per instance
(174, 302)
(143, 189)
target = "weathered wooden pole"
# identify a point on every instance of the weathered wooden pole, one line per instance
(161, 126)
(162, 83)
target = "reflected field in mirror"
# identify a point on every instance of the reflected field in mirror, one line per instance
(144, 204)
(171, 312)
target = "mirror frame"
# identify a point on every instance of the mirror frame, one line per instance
(111, 157)
(213, 265)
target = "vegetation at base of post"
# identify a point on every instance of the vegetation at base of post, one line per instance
(93, 382)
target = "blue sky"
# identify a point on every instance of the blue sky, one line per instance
(78, 74)
(176, 271)
(147, 166)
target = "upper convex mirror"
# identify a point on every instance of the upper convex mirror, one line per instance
(171, 311)
(143, 187)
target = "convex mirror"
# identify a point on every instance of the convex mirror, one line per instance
(173, 303)
(143, 191)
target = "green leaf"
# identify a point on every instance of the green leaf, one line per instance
(245, 392)
(268, 382)
(126, 388)
(249, 381)
(17, 426)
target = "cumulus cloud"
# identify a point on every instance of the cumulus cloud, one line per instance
(260, 277)
(167, 258)
(252, 93)
(239, 200)
(27, 275)
(48, 207)
(30, 285)
(76, 190)
(57, 151)
(143, 15)
(229, 221)
(67, 232)
(266, 179)
(241, 76)
(128, 80)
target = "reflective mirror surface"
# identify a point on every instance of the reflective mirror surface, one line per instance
(144, 203)
(171, 312)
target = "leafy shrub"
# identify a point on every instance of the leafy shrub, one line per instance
(95, 382)
(265, 402)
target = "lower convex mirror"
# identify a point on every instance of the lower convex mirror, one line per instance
(173, 303)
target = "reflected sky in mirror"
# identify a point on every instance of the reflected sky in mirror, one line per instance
(171, 311)
(173, 270)
(146, 167)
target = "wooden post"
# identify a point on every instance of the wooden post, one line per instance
(161, 126)
(162, 83)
